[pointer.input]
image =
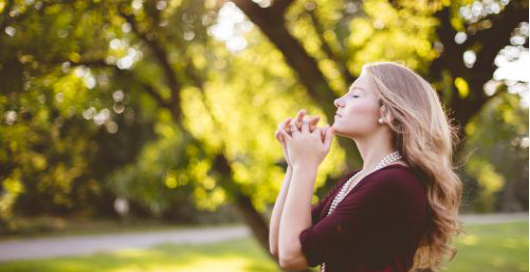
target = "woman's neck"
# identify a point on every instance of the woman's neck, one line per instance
(374, 149)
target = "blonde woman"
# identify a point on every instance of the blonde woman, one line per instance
(396, 213)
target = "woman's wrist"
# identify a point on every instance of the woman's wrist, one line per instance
(305, 167)
(289, 172)
(304, 170)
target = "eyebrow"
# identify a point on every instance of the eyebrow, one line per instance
(358, 88)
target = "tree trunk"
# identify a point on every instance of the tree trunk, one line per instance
(256, 222)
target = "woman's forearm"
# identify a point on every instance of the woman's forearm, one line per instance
(277, 212)
(296, 214)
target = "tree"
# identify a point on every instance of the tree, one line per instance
(214, 107)
(489, 32)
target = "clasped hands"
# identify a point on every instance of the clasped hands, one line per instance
(304, 144)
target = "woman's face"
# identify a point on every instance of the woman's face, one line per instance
(358, 111)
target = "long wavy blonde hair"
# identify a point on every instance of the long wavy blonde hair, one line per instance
(426, 140)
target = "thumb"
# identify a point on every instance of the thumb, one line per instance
(328, 138)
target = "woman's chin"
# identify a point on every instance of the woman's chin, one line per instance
(336, 130)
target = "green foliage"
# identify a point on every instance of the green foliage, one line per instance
(389, 33)
(138, 98)
(497, 153)
(56, 117)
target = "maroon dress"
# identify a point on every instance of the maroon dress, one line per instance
(376, 227)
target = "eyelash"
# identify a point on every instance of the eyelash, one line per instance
(355, 95)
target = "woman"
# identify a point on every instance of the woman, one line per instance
(399, 211)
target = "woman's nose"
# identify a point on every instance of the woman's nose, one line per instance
(337, 103)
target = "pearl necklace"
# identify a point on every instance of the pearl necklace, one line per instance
(390, 158)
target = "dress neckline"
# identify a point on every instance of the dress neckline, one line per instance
(373, 172)
(349, 175)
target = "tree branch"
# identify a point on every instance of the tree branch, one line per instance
(306, 67)
(490, 41)
(163, 60)
(507, 20)
(496, 38)
(451, 56)
(280, 6)
(339, 60)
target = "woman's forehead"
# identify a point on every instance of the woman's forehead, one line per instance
(360, 84)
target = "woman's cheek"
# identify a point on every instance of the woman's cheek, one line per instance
(359, 111)
(360, 116)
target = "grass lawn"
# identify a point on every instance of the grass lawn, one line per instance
(236, 255)
(498, 247)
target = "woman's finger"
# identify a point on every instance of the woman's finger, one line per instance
(305, 124)
(299, 118)
(323, 133)
(278, 136)
(318, 131)
(277, 132)
(292, 127)
(328, 138)
(285, 136)
(313, 123)
(287, 124)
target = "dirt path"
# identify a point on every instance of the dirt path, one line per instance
(87, 244)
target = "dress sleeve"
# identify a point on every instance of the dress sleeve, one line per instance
(343, 229)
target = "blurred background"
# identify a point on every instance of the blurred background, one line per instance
(139, 135)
